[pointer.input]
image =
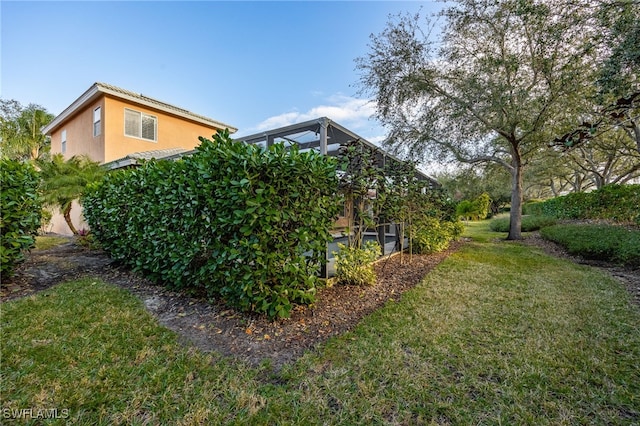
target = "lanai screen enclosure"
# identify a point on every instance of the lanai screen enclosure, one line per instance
(327, 137)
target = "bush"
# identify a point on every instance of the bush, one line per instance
(45, 220)
(429, 235)
(618, 203)
(477, 209)
(21, 212)
(240, 223)
(600, 242)
(529, 223)
(354, 266)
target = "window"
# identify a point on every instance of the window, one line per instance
(63, 142)
(97, 127)
(140, 125)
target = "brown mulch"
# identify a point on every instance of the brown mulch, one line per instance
(247, 337)
(214, 326)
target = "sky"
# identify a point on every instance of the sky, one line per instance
(252, 65)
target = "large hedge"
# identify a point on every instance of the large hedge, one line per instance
(611, 243)
(618, 203)
(21, 212)
(243, 224)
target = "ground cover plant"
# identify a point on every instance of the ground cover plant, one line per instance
(498, 333)
(529, 223)
(599, 242)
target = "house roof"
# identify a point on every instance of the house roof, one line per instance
(158, 154)
(99, 89)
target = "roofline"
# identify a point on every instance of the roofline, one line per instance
(286, 129)
(131, 160)
(97, 88)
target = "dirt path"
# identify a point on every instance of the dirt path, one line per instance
(250, 338)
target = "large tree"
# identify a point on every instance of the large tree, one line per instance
(616, 98)
(489, 90)
(20, 135)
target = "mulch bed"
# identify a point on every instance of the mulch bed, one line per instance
(247, 337)
(214, 326)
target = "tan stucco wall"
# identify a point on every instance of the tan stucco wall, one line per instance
(59, 226)
(80, 139)
(173, 132)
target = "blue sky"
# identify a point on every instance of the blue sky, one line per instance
(253, 65)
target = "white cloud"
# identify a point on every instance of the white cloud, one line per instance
(352, 113)
(377, 139)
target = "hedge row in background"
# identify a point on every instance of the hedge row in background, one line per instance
(245, 225)
(599, 242)
(529, 223)
(618, 203)
(21, 212)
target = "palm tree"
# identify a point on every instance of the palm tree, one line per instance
(20, 135)
(65, 181)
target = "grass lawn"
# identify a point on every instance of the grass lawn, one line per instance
(45, 242)
(499, 333)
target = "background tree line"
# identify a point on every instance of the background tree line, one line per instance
(546, 90)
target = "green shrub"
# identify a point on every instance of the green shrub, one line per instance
(533, 208)
(354, 266)
(465, 209)
(618, 203)
(21, 212)
(246, 225)
(45, 220)
(430, 235)
(476, 209)
(529, 223)
(600, 242)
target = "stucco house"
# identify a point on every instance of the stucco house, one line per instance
(107, 123)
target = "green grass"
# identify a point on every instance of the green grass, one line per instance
(92, 349)
(601, 242)
(45, 242)
(479, 231)
(499, 333)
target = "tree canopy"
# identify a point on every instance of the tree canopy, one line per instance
(20, 135)
(495, 87)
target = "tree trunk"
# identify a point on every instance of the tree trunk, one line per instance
(67, 217)
(515, 224)
(636, 133)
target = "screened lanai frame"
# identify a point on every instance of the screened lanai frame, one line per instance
(327, 137)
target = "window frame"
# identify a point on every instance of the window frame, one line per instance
(141, 115)
(63, 141)
(97, 131)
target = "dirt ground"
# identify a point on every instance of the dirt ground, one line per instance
(247, 337)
